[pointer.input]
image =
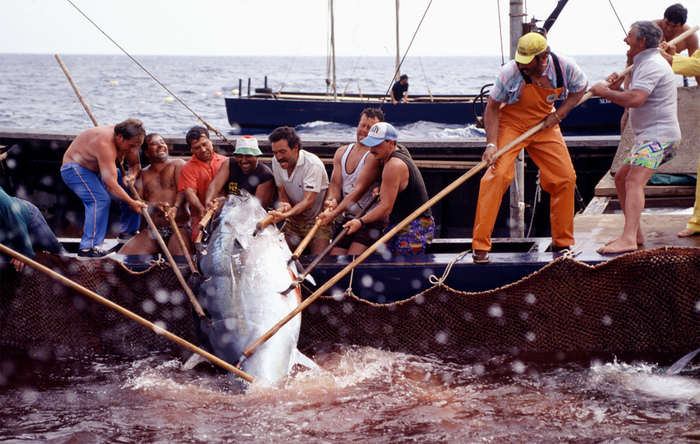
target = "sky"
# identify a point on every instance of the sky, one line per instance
(301, 27)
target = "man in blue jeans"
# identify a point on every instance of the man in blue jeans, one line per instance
(24, 229)
(89, 169)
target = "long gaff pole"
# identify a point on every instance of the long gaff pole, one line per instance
(261, 340)
(129, 314)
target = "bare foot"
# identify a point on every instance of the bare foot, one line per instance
(614, 239)
(640, 240)
(617, 246)
(686, 232)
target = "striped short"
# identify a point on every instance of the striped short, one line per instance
(648, 154)
(299, 230)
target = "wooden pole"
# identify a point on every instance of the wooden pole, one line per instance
(263, 223)
(304, 242)
(166, 252)
(248, 351)
(144, 211)
(325, 252)
(129, 314)
(77, 91)
(181, 241)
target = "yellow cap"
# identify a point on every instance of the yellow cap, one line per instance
(529, 46)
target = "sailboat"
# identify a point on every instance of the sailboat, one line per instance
(265, 110)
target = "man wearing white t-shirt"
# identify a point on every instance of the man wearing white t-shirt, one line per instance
(301, 180)
(651, 98)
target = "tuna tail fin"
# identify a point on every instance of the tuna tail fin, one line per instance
(301, 359)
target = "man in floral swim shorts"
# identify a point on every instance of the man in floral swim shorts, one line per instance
(651, 98)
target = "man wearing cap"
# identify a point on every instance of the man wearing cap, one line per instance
(522, 97)
(158, 186)
(652, 99)
(198, 172)
(355, 175)
(402, 192)
(243, 173)
(302, 181)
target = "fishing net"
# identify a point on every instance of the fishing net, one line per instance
(643, 302)
(39, 314)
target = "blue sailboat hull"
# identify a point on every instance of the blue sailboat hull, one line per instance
(264, 112)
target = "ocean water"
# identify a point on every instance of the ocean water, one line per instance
(356, 395)
(170, 93)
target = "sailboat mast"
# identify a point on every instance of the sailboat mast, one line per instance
(517, 187)
(335, 91)
(398, 74)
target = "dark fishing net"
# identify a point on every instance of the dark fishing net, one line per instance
(643, 302)
(39, 313)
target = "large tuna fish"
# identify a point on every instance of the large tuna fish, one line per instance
(241, 294)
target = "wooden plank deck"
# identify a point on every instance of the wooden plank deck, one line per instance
(591, 231)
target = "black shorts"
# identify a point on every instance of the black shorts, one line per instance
(367, 235)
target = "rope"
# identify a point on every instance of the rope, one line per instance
(398, 68)
(618, 17)
(348, 291)
(159, 261)
(435, 281)
(500, 32)
(427, 85)
(204, 122)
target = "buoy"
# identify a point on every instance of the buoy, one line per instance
(217, 93)
(113, 82)
(234, 92)
(169, 99)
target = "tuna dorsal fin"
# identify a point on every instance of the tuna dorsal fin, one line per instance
(237, 245)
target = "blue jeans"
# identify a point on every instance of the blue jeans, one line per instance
(91, 189)
(40, 234)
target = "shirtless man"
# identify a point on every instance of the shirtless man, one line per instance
(674, 24)
(89, 169)
(355, 174)
(157, 185)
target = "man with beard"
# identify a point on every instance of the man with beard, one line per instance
(158, 187)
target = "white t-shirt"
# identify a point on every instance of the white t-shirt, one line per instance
(309, 174)
(656, 119)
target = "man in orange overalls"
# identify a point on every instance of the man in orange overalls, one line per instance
(523, 96)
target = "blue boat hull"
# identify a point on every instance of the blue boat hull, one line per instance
(596, 116)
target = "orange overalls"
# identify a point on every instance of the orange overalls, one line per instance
(547, 149)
